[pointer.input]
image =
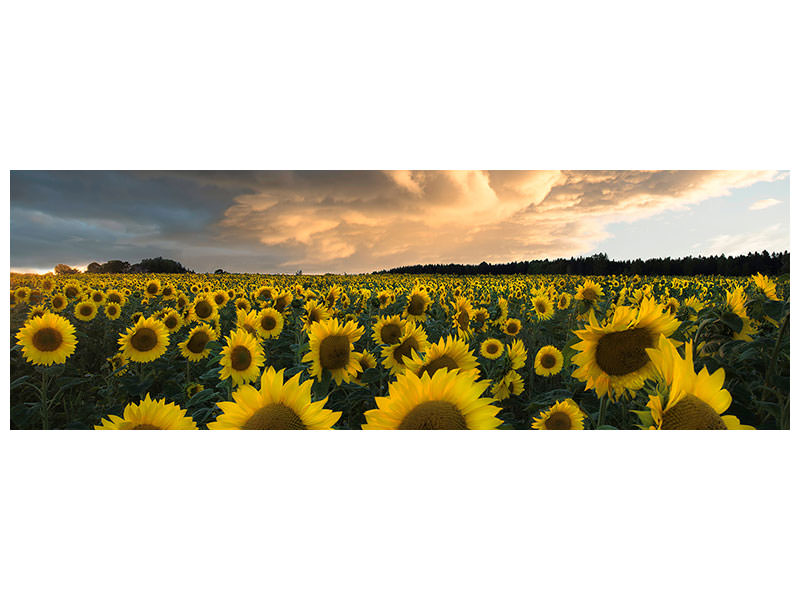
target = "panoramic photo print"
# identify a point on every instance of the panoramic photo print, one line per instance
(531, 300)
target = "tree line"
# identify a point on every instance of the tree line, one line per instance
(776, 263)
(148, 265)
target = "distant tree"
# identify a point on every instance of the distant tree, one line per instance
(62, 269)
(158, 265)
(220, 272)
(116, 266)
(94, 267)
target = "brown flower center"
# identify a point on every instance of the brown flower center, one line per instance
(512, 327)
(152, 288)
(268, 323)
(692, 413)
(441, 362)
(434, 414)
(334, 352)
(492, 348)
(47, 339)
(463, 319)
(280, 303)
(548, 361)
(241, 358)
(197, 343)
(390, 334)
(171, 322)
(144, 339)
(274, 416)
(58, 302)
(114, 298)
(558, 420)
(416, 305)
(623, 352)
(203, 309)
(405, 348)
(86, 310)
(589, 295)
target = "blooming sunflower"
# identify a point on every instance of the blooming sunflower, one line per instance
(613, 358)
(589, 291)
(152, 288)
(691, 400)
(277, 405)
(562, 415)
(195, 346)
(413, 338)
(248, 321)
(203, 309)
(448, 400)
(450, 353)
(315, 313)
(765, 285)
(517, 354)
(388, 330)
(481, 318)
(492, 348)
(86, 310)
(283, 301)
(149, 414)
(543, 308)
(510, 385)
(112, 311)
(242, 304)
(242, 357)
(58, 302)
(366, 361)
(462, 315)
(417, 305)
(172, 320)
(269, 323)
(220, 298)
(548, 361)
(145, 341)
(47, 339)
(117, 362)
(735, 302)
(512, 327)
(331, 349)
(564, 301)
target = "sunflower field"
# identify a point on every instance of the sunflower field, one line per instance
(398, 352)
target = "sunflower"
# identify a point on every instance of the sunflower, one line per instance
(388, 330)
(248, 321)
(765, 285)
(613, 358)
(548, 361)
(242, 357)
(195, 346)
(242, 304)
(492, 348)
(543, 308)
(117, 362)
(448, 400)
(283, 301)
(172, 320)
(452, 353)
(462, 315)
(564, 301)
(517, 354)
(562, 415)
(168, 292)
(512, 327)
(98, 297)
(589, 292)
(48, 284)
(220, 298)
(86, 310)
(72, 290)
(145, 341)
(203, 309)
(417, 305)
(152, 288)
(277, 405)
(112, 311)
(315, 313)
(269, 323)
(193, 388)
(481, 317)
(150, 414)
(264, 294)
(47, 339)
(688, 400)
(366, 361)
(412, 338)
(672, 305)
(735, 302)
(331, 349)
(510, 385)
(22, 294)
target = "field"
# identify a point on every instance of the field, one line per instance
(398, 352)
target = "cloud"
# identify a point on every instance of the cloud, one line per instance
(774, 238)
(765, 203)
(318, 221)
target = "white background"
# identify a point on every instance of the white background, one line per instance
(210, 85)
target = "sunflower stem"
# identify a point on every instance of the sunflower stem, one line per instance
(771, 369)
(602, 414)
(44, 405)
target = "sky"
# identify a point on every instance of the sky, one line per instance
(360, 221)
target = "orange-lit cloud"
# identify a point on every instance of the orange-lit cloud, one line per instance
(328, 221)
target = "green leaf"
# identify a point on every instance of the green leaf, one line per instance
(19, 381)
(773, 309)
(733, 321)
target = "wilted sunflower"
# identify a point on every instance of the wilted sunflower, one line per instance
(203, 309)
(450, 353)
(172, 320)
(152, 288)
(417, 305)
(145, 341)
(543, 308)
(548, 361)
(388, 330)
(510, 385)
(691, 400)
(112, 311)
(412, 338)
(86, 310)
(150, 414)
(47, 340)
(448, 400)
(331, 349)
(614, 358)
(269, 323)
(195, 346)
(512, 327)
(492, 348)
(277, 405)
(242, 357)
(562, 415)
